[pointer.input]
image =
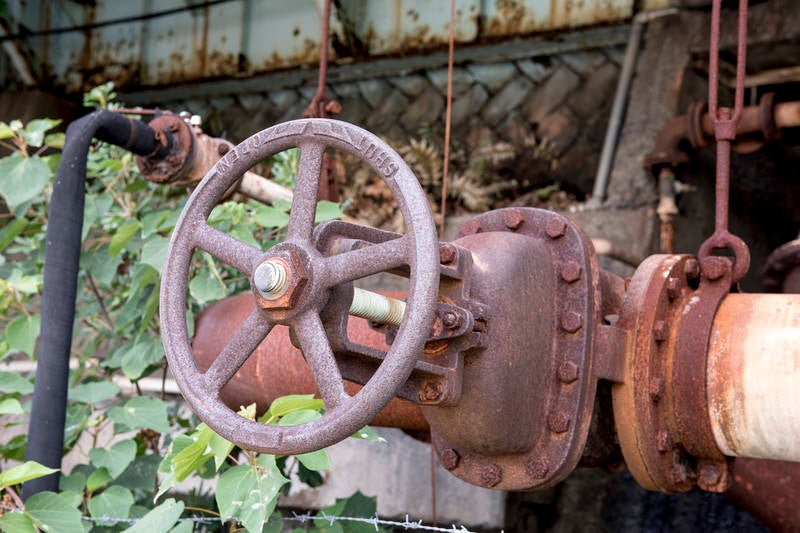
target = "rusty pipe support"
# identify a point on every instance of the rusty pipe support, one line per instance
(753, 376)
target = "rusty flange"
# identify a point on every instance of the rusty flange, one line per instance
(660, 410)
(782, 269)
(175, 134)
(552, 386)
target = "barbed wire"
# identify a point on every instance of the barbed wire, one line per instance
(375, 521)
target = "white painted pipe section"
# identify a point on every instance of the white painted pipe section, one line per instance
(753, 376)
(377, 308)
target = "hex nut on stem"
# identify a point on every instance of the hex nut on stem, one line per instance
(571, 321)
(537, 468)
(571, 272)
(447, 254)
(513, 219)
(555, 228)
(491, 475)
(568, 372)
(449, 458)
(558, 422)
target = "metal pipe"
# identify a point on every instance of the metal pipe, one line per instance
(621, 101)
(753, 376)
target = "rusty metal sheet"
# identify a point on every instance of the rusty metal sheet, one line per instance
(510, 17)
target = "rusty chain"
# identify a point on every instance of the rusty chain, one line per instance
(724, 120)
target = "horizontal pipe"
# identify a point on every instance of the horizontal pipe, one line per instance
(753, 376)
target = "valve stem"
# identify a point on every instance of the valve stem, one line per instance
(377, 308)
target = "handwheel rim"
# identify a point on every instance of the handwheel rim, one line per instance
(422, 247)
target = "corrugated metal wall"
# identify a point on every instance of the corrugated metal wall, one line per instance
(238, 38)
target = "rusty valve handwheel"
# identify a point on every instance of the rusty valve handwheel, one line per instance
(292, 283)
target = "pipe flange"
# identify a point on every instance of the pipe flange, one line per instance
(696, 135)
(659, 410)
(568, 396)
(177, 137)
(779, 266)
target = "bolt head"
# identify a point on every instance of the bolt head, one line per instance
(431, 392)
(660, 330)
(663, 442)
(449, 458)
(709, 476)
(513, 219)
(537, 468)
(673, 287)
(278, 282)
(691, 268)
(568, 372)
(571, 272)
(270, 279)
(571, 321)
(678, 473)
(558, 422)
(656, 389)
(471, 227)
(451, 320)
(555, 228)
(491, 475)
(715, 267)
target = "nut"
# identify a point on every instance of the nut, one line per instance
(431, 391)
(692, 269)
(715, 267)
(295, 280)
(558, 422)
(491, 475)
(656, 389)
(449, 458)
(512, 218)
(678, 473)
(568, 372)
(471, 227)
(555, 228)
(709, 476)
(673, 287)
(660, 330)
(451, 320)
(447, 254)
(663, 442)
(571, 272)
(571, 321)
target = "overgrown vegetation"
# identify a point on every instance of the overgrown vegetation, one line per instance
(131, 447)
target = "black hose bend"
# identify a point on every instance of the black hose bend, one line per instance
(62, 255)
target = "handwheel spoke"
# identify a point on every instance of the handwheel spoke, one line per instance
(317, 351)
(238, 350)
(306, 190)
(364, 262)
(231, 250)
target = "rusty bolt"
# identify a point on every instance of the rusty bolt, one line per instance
(431, 391)
(537, 468)
(714, 267)
(278, 282)
(223, 149)
(491, 475)
(471, 227)
(555, 228)
(656, 389)
(660, 330)
(447, 254)
(691, 268)
(558, 422)
(663, 442)
(571, 321)
(449, 458)
(568, 372)
(571, 272)
(709, 476)
(673, 287)
(451, 320)
(678, 473)
(512, 219)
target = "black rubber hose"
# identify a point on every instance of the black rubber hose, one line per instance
(62, 256)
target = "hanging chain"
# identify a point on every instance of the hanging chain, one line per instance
(725, 120)
(321, 107)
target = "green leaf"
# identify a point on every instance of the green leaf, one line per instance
(98, 478)
(205, 287)
(294, 402)
(140, 355)
(12, 231)
(35, 130)
(183, 527)
(55, 140)
(77, 419)
(13, 383)
(54, 512)
(115, 459)
(357, 506)
(14, 449)
(24, 472)
(221, 448)
(161, 518)
(10, 406)
(122, 236)
(101, 266)
(24, 178)
(192, 457)
(74, 482)
(327, 211)
(114, 502)
(367, 433)
(5, 131)
(140, 474)
(17, 523)
(22, 333)
(249, 494)
(93, 392)
(139, 413)
(154, 252)
(270, 217)
(299, 417)
(316, 461)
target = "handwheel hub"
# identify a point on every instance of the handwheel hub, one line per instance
(278, 281)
